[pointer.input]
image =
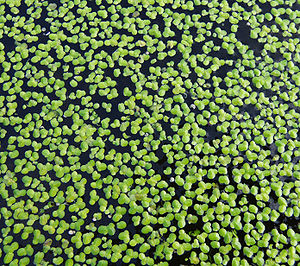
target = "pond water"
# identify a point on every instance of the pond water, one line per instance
(177, 147)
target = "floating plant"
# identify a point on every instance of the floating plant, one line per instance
(149, 132)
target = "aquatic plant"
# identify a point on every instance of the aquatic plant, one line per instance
(149, 132)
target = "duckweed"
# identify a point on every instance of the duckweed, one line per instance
(149, 132)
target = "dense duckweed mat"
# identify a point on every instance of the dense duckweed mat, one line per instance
(147, 132)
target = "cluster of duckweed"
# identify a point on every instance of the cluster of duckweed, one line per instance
(149, 132)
